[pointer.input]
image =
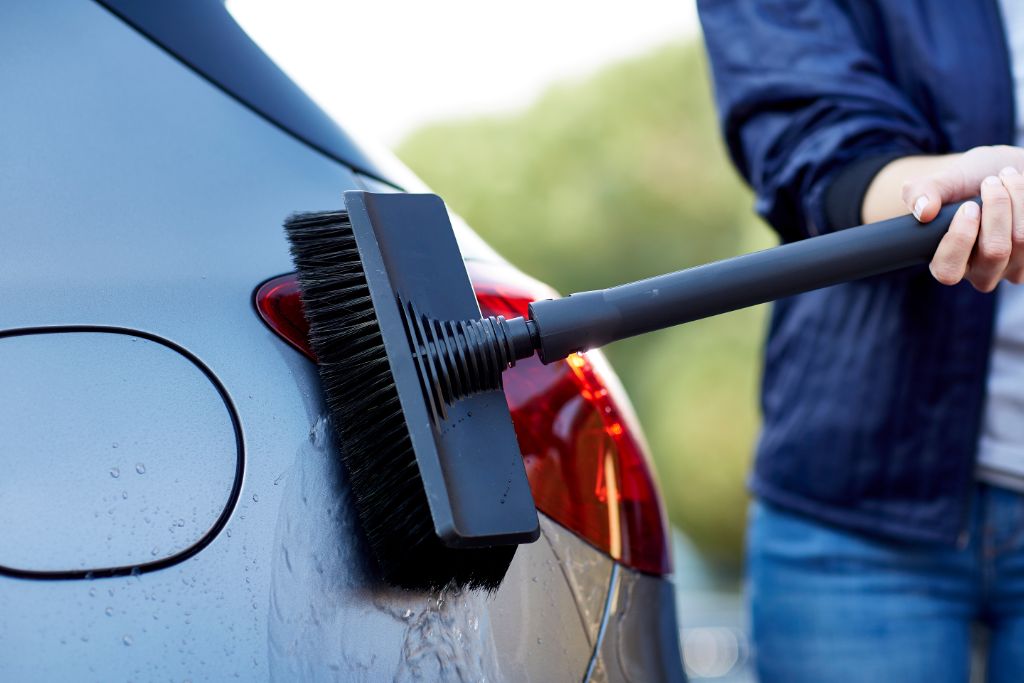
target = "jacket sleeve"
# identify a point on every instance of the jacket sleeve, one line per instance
(800, 97)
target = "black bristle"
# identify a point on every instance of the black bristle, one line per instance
(367, 416)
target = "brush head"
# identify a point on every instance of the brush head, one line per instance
(442, 500)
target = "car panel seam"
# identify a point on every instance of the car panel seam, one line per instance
(613, 591)
(236, 487)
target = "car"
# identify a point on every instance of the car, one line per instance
(172, 505)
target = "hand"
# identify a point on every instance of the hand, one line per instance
(983, 245)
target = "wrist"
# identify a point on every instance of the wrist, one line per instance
(884, 196)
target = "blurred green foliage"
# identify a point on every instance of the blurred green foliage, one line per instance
(614, 178)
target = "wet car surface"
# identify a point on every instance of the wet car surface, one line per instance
(142, 204)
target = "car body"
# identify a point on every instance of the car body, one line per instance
(172, 506)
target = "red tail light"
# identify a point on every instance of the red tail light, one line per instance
(279, 303)
(583, 450)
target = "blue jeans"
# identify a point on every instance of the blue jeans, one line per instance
(829, 605)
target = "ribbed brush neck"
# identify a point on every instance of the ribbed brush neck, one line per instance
(459, 358)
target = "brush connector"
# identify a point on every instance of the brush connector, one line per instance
(459, 358)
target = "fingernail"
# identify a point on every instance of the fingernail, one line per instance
(971, 210)
(1009, 170)
(992, 180)
(919, 206)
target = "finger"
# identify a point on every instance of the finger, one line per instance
(1013, 181)
(989, 261)
(950, 260)
(925, 196)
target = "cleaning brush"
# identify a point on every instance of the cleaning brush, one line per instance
(411, 372)
(433, 502)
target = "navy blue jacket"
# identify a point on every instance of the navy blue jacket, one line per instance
(873, 391)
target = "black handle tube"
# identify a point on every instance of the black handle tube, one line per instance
(591, 319)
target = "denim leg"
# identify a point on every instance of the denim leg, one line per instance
(1003, 554)
(830, 606)
(1006, 651)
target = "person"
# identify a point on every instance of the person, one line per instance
(887, 529)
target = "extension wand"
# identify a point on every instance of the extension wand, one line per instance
(412, 373)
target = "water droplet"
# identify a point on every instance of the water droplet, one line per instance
(538, 641)
(92, 592)
(124, 495)
(228, 532)
(115, 472)
(155, 551)
(180, 523)
(140, 468)
(109, 611)
(128, 640)
(255, 498)
(136, 572)
(113, 445)
(408, 613)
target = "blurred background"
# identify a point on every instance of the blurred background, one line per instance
(579, 140)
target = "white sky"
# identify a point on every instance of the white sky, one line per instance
(384, 67)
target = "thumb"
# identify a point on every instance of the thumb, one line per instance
(924, 196)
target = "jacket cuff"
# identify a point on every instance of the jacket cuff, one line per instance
(845, 196)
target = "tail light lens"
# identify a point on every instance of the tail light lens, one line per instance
(279, 303)
(583, 450)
